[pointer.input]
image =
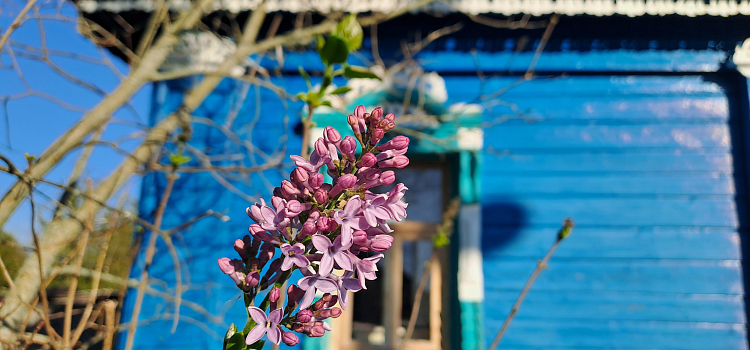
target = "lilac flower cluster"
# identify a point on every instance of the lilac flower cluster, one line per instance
(321, 227)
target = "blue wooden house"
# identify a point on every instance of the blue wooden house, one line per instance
(635, 122)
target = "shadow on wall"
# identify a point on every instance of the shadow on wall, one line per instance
(501, 224)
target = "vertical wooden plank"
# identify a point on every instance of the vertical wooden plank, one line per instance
(435, 302)
(392, 295)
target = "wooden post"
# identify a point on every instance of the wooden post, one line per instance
(392, 295)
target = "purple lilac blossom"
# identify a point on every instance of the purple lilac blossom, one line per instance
(320, 227)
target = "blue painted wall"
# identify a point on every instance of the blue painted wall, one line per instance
(643, 163)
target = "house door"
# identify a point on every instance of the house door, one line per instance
(644, 164)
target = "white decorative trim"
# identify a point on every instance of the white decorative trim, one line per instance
(201, 52)
(470, 272)
(631, 8)
(741, 58)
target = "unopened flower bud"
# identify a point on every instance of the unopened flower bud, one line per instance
(390, 117)
(359, 237)
(320, 147)
(239, 247)
(317, 330)
(294, 295)
(335, 312)
(293, 208)
(348, 147)
(252, 279)
(397, 143)
(288, 190)
(331, 135)
(289, 338)
(321, 196)
(387, 178)
(274, 294)
(397, 162)
(308, 228)
(354, 123)
(322, 224)
(316, 180)
(368, 161)
(381, 243)
(277, 202)
(345, 182)
(299, 175)
(322, 302)
(304, 316)
(298, 327)
(377, 135)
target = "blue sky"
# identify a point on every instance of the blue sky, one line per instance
(32, 123)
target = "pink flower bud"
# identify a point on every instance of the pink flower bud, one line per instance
(397, 143)
(289, 338)
(395, 162)
(348, 147)
(377, 135)
(354, 123)
(274, 294)
(300, 175)
(321, 196)
(320, 147)
(347, 181)
(277, 202)
(359, 238)
(293, 208)
(233, 268)
(387, 178)
(226, 266)
(381, 243)
(252, 279)
(317, 330)
(331, 135)
(390, 117)
(335, 312)
(239, 247)
(316, 180)
(368, 160)
(288, 190)
(308, 228)
(390, 126)
(294, 295)
(304, 316)
(376, 113)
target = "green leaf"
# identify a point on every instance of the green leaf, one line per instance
(334, 51)
(353, 72)
(302, 96)
(440, 239)
(234, 340)
(305, 75)
(350, 31)
(341, 90)
(325, 103)
(178, 159)
(320, 42)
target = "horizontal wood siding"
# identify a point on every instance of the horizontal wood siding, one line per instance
(643, 165)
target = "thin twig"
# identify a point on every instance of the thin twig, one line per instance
(16, 22)
(150, 252)
(541, 265)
